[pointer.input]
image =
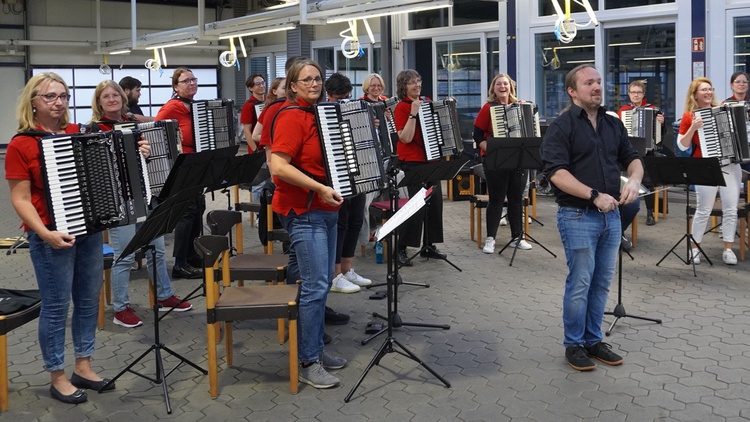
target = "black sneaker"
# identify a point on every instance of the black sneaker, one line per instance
(625, 244)
(603, 352)
(335, 318)
(650, 219)
(186, 271)
(578, 359)
(432, 252)
(403, 259)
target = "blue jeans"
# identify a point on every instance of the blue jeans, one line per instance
(60, 274)
(311, 259)
(591, 240)
(119, 237)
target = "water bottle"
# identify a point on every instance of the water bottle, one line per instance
(379, 252)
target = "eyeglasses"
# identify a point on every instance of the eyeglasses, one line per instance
(188, 81)
(706, 90)
(741, 82)
(261, 83)
(111, 97)
(636, 92)
(415, 82)
(376, 86)
(310, 81)
(51, 97)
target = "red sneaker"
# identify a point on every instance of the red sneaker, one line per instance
(174, 302)
(127, 318)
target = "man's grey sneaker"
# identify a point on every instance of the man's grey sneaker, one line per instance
(331, 362)
(316, 376)
(578, 358)
(603, 352)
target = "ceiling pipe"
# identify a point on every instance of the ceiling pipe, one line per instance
(49, 43)
(133, 26)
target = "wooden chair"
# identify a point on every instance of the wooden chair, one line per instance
(105, 294)
(9, 323)
(242, 266)
(743, 218)
(225, 303)
(273, 234)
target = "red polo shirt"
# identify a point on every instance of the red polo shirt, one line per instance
(180, 111)
(414, 150)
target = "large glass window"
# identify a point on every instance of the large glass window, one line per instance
(459, 75)
(355, 69)
(742, 44)
(474, 11)
(429, 19)
(546, 7)
(646, 53)
(553, 62)
(493, 60)
(156, 90)
(619, 4)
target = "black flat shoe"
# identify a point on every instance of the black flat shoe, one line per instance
(81, 382)
(78, 396)
(403, 259)
(186, 271)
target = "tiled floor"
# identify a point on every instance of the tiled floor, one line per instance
(503, 353)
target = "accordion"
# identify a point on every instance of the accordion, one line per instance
(441, 134)
(214, 124)
(94, 181)
(641, 122)
(517, 120)
(163, 136)
(724, 134)
(352, 150)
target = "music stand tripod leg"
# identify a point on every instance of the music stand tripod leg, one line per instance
(156, 347)
(619, 311)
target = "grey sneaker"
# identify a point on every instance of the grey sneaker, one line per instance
(316, 376)
(330, 361)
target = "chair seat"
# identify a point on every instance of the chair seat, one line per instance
(257, 302)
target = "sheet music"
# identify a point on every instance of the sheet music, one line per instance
(412, 206)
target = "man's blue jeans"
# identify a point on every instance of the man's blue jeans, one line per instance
(311, 259)
(591, 240)
(61, 274)
(119, 237)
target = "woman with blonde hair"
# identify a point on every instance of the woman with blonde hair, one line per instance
(701, 95)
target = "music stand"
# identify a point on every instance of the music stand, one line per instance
(428, 174)
(392, 298)
(688, 171)
(515, 154)
(161, 221)
(201, 169)
(619, 311)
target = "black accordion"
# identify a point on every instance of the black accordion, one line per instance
(641, 122)
(94, 181)
(441, 134)
(163, 136)
(352, 150)
(517, 120)
(724, 133)
(214, 124)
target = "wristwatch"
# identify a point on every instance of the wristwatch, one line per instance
(594, 195)
(412, 116)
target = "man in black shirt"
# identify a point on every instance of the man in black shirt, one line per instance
(582, 152)
(132, 88)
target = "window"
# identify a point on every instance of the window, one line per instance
(742, 44)
(428, 19)
(553, 62)
(619, 4)
(646, 53)
(547, 9)
(459, 75)
(474, 11)
(157, 87)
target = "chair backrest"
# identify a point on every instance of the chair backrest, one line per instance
(220, 222)
(210, 248)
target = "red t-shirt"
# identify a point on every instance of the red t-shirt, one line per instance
(687, 120)
(414, 150)
(248, 117)
(296, 135)
(483, 121)
(22, 162)
(630, 107)
(266, 118)
(178, 110)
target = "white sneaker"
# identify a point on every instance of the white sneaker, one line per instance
(503, 221)
(356, 278)
(729, 257)
(342, 285)
(522, 244)
(489, 245)
(695, 255)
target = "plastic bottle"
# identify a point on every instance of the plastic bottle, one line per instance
(379, 252)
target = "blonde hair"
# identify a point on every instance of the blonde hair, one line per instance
(368, 81)
(96, 107)
(690, 103)
(491, 97)
(25, 110)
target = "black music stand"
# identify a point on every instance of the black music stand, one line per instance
(392, 298)
(161, 221)
(688, 171)
(201, 169)
(429, 174)
(515, 154)
(619, 311)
